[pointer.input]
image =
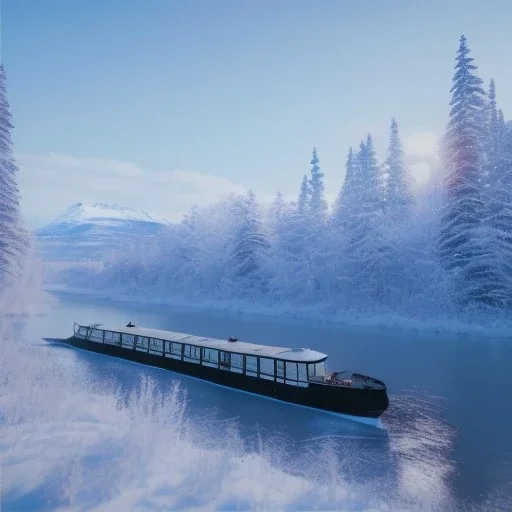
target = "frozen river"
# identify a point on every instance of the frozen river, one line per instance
(446, 442)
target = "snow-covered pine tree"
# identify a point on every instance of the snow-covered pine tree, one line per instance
(247, 249)
(500, 209)
(316, 227)
(343, 196)
(494, 125)
(400, 225)
(13, 238)
(304, 196)
(188, 253)
(283, 221)
(317, 204)
(355, 225)
(367, 254)
(276, 221)
(370, 176)
(493, 135)
(298, 241)
(462, 245)
(276, 209)
(501, 120)
(341, 211)
(399, 198)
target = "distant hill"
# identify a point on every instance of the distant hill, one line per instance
(92, 231)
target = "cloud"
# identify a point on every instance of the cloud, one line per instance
(51, 183)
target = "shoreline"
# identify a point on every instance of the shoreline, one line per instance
(301, 313)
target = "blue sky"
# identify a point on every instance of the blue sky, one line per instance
(207, 95)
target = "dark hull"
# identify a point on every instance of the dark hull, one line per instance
(370, 403)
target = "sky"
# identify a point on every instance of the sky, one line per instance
(164, 103)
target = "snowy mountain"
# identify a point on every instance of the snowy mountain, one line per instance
(92, 231)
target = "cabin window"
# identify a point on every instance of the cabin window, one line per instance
(176, 350)
(141, 342)
(127, 340)
(96, 335)
(112, 338)
(302, 374)
(291, 373)
(251, 366)
(266, 368)
(224, 360)
(210, 357)
(167, 348)
(320, 369)
(280, 371)
(317, 369)
(156, 346)
(192, 354)
(237, 363)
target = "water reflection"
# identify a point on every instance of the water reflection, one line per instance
(421, 444)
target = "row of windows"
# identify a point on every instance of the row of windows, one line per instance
(262, 367)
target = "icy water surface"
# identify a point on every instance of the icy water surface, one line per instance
(446, 443)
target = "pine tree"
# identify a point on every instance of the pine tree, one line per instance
(343, 199)
(304, 196)
(493, 118)
(352, 190)
(500, 210)
(461, 243)
(344, 207)
(367, 253)
(399, 199)
(370, 175)
(248, 247)
(501, 120)
(277, 208)
(276, 223)
(13, 239)
(188, 252)
(350, 169)
(318, 204)
(494, 131)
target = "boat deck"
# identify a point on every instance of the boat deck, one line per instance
(349, 379)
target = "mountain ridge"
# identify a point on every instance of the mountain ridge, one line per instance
(88, 210)
(93, 231)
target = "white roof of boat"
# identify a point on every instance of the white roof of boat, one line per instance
(300, 355)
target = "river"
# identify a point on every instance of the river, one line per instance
(446, 437)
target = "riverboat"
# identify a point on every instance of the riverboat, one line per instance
(295, 375)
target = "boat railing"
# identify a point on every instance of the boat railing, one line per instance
(80, 331)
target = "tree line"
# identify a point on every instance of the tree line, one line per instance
(378, 248)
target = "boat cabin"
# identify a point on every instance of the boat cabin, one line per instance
(293, 366)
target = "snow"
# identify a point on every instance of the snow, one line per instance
(93, 232)
(303, 355)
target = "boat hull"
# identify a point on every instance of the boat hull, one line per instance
(370, 403)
